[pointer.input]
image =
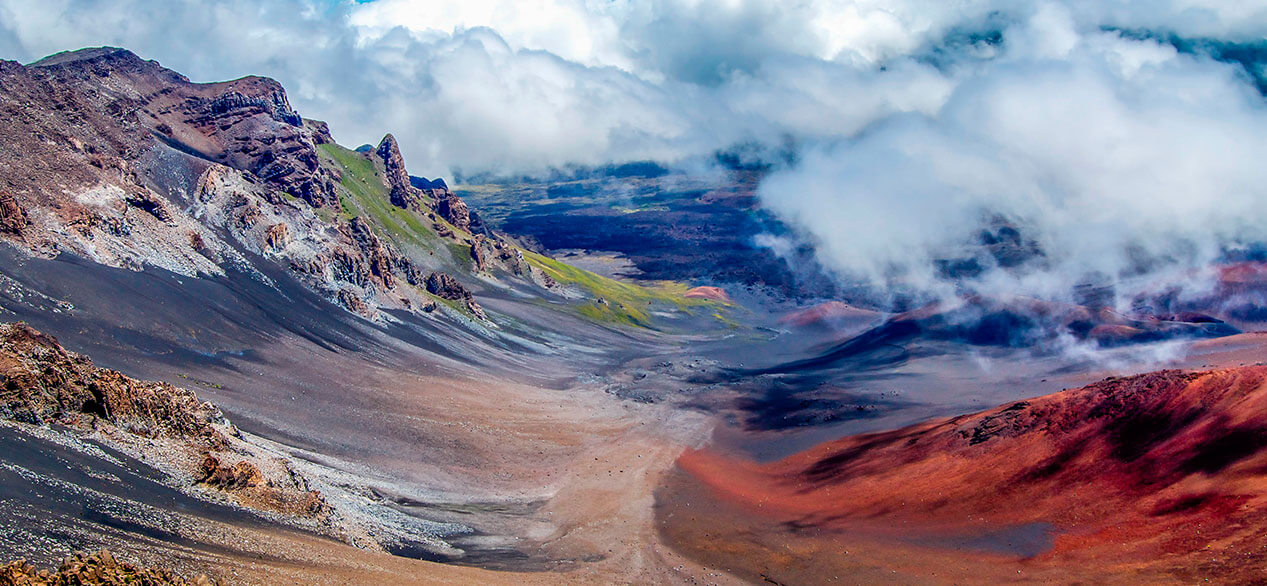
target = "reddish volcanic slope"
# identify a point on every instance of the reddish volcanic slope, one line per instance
(1163, 473)
(713, 293)
(830, 311)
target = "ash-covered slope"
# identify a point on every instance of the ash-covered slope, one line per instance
(94, 421)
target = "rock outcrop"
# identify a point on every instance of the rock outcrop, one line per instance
(102, 150)
(389, 151)
(320, 132)
(446, 287)
(98, 569)
(407, 191)
(12, 217)
(41, 383)
(403, 194)
(347, 262)
(277, 236)
(380, 262)
(492, 253)
(247, 124)
(236, 477)
(245, 481)
(253, 128)
(453, 209)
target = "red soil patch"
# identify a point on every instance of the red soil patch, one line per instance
(827, 312)
(714, 293)
(1243, 273)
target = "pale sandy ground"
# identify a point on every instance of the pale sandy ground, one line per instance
(577, 468)
(601, 519)
(1239, 350)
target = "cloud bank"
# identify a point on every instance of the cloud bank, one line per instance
(1126, 163)
(915, 122)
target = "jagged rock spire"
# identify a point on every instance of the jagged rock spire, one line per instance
(403, 194)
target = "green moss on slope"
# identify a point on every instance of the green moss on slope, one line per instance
(367, 195)
(626, 303)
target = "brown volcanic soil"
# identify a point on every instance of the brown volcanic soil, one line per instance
(1156, 477)
(557, 480)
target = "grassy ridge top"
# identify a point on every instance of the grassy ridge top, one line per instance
(619, 301)
(364, 193)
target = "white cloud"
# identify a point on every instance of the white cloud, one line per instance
(1120, 157)
(575, 30)
(1109, 151)
(510, 85)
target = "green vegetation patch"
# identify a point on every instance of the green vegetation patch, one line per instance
(625, 303)
(367, 195)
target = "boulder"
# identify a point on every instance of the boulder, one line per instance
(446, 287)
(238, 476)
(100, 568)
(454, 210)
(277, 236)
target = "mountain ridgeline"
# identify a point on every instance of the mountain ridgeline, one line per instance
(127, 164)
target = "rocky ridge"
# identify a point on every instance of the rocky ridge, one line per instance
(119, 160)
(422, 195)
